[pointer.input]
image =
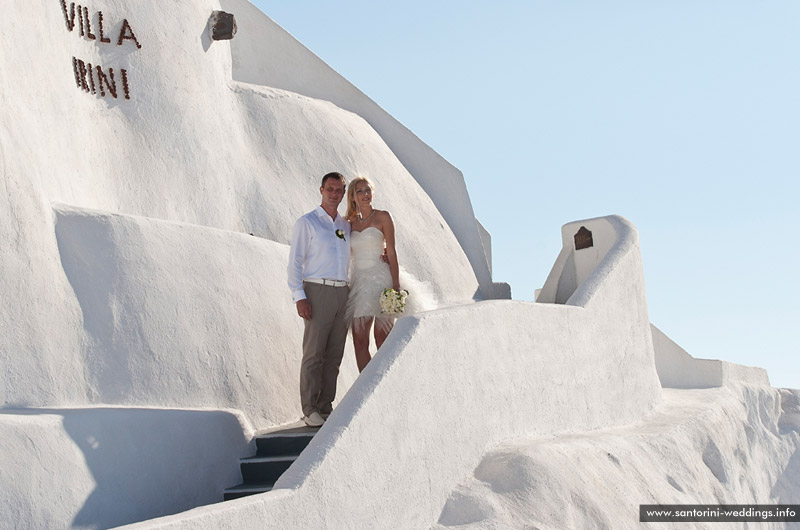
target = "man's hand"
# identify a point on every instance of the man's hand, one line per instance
(304, 308)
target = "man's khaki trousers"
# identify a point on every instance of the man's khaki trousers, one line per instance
(323, 346)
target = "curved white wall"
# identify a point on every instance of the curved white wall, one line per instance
(457, 381)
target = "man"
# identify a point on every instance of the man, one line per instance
(320, 251)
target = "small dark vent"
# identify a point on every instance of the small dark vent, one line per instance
(583, 239)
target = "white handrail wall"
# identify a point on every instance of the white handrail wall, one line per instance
(449, 384)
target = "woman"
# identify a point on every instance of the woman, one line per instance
(372, 230)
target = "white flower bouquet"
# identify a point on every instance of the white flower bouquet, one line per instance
(393, 302)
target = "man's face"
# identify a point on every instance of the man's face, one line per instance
(332, 193)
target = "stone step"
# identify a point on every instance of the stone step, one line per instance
(275, 452)
(243, 490)
(262, 469)
(282, 443)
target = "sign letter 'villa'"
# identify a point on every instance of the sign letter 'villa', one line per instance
(94, 79)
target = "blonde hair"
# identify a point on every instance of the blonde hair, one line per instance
(352, 208)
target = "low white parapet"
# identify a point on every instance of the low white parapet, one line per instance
(677, 369)
(183, 315)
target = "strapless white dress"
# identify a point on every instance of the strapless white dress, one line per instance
(370, 275)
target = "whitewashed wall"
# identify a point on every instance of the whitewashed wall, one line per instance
(128, 279)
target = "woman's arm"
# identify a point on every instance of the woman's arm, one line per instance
(391, 253)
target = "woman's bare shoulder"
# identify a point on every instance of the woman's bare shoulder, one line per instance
(383, 215)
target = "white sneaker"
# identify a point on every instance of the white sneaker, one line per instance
(314, 420)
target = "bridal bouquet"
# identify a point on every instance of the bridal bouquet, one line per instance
(393, 302)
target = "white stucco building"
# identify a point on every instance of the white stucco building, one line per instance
(150, 179)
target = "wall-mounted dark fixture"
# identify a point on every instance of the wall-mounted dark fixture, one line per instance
(222, 25)
(583, 238)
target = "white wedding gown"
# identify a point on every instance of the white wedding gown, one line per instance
(370, 275)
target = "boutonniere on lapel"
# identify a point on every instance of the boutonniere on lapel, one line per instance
(340, 234)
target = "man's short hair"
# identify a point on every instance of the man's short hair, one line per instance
(334, 175)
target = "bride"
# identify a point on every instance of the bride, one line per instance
(372, 230)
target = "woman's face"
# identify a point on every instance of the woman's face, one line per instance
(363, 194)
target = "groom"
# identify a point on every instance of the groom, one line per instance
(320, 250)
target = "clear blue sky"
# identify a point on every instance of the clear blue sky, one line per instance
(682, 116)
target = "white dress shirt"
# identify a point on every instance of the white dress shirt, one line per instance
(316, 251)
